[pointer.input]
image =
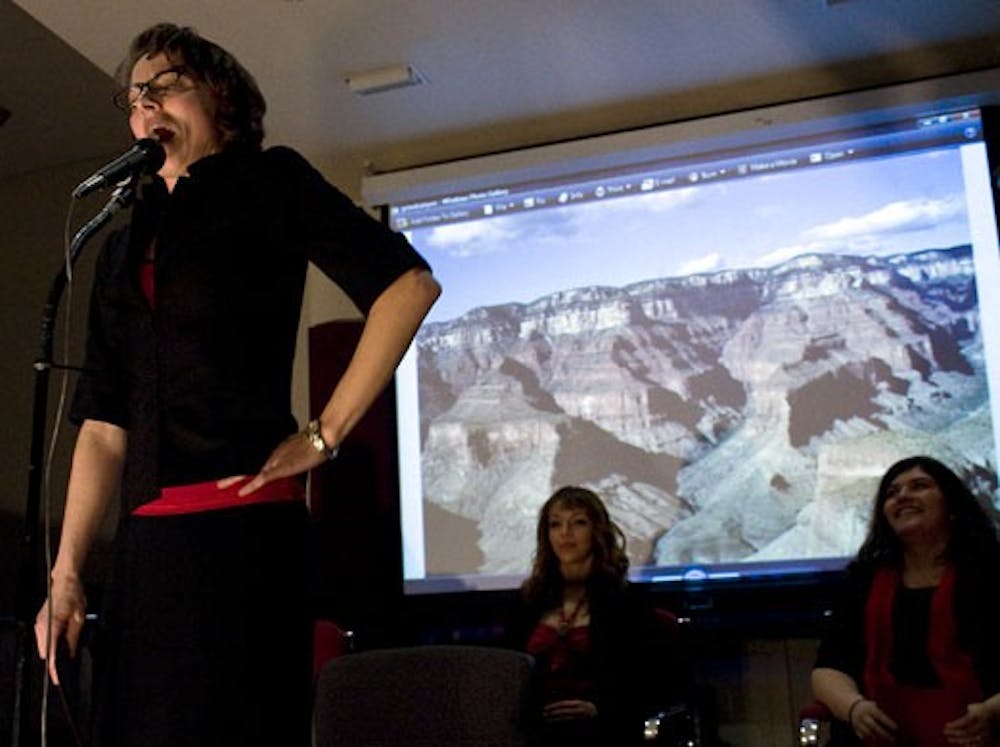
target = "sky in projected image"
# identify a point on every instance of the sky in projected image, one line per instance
(756, 221)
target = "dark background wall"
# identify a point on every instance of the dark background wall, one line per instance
(755, 652)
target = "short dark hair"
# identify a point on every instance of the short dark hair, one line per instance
(973, 530)
(610, 562)
(241, 106)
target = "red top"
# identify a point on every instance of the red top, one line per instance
(565, 668)
(146, 281)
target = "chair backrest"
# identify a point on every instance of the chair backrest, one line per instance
(424, 695)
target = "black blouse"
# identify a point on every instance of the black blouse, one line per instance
(202, 382)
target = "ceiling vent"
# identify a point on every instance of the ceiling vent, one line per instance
(383, 79)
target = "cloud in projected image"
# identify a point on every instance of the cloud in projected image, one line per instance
(875, 232)
(708, 263)
(470, 239)
(902, 215)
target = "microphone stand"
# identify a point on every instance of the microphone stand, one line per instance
(30, 581)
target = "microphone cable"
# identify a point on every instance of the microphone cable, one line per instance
(47, 495)
(120, 197)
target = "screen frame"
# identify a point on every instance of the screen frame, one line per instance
(745, 128)
(713, 132)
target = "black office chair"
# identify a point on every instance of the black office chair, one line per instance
(424, 695)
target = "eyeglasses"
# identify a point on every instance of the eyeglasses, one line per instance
(162, 84)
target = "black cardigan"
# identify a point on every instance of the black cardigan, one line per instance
(977, 611)
(202, 381)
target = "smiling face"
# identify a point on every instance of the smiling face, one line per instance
(181, 118)
(571, 536)
(915, 507)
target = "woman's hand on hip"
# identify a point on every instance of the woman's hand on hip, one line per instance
(294, 455)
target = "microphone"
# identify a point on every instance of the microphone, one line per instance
(145, 156)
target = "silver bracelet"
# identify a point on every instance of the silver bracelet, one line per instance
(315, 436)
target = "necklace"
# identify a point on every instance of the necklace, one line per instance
(566, 621)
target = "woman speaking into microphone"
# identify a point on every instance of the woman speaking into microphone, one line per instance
(184, 410)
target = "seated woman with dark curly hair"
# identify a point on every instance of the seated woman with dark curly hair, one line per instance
(913, 657)
(589, 633)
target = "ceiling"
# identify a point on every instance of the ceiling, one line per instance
(500, 74)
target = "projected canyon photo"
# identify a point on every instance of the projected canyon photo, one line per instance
(729, 415)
